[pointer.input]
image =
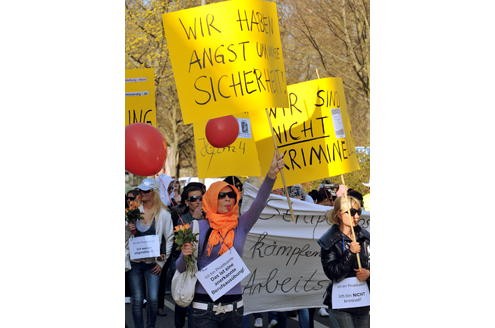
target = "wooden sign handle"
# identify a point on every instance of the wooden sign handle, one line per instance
(352, 228)
(293, 219)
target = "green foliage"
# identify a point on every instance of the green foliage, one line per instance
(355, 179)
(132, 215)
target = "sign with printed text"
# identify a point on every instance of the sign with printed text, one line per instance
(350, 293)
(239, 158)
(140, 105)
(314, 132)
(144, 246)
(227, 58)
(223, 274)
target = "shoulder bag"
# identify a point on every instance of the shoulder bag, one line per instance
(184, 283)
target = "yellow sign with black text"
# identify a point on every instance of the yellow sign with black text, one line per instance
(140, 103)
(313, 133)
(226, 58)
(240, 158)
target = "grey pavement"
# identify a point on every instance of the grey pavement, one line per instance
(168, 320)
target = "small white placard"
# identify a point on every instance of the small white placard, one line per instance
(350, 293)
(137, 93)
(338, 126)
(223, 274)
(144, 246)
(244, 128)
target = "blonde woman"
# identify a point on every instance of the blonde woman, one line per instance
(144, 275)
(339, 259)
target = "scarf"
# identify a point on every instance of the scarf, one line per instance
(222, 225)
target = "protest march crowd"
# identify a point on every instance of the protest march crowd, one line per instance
(160, 243)
(231, 252)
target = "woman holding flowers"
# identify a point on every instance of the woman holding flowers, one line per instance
(190, 209)
(221, 230)
(145, 272)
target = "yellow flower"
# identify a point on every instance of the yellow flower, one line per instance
(184, 235)
(182, 227)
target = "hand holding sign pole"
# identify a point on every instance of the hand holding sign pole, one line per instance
(347, 200)
(281, 172)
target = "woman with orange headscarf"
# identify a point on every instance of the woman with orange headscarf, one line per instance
(223, 229)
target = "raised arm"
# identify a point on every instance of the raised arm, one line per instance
(249, 218)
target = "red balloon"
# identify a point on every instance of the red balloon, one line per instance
(222, 131)
(145, 149)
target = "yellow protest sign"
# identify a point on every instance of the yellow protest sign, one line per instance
(313, 133)
(240, 158)
(227, 58)
(140, 105)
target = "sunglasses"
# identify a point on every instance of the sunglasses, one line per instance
(231, 194)
(145, 191)
(130, 198)
(195, 198)
(354, 211)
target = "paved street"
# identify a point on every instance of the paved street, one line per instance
(168, 321)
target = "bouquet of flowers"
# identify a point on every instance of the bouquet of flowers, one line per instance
(132, 214)
(183, 235)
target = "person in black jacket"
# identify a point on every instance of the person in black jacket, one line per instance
(188, 210)
(339, 258)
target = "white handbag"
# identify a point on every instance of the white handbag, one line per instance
(127, 261)
(184, 284)
(128, 235)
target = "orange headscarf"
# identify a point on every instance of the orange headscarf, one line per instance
(222, 225)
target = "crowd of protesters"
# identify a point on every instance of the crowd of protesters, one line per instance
(163, 206)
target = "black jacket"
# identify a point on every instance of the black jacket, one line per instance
(337, 260)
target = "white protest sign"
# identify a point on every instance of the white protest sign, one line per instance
(337, 123)
(144, 246)
(350, 293)
(223, 274)
(283, 255)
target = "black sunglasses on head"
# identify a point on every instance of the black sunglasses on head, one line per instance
(130, 198)
(231, 194)
(195, 198)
